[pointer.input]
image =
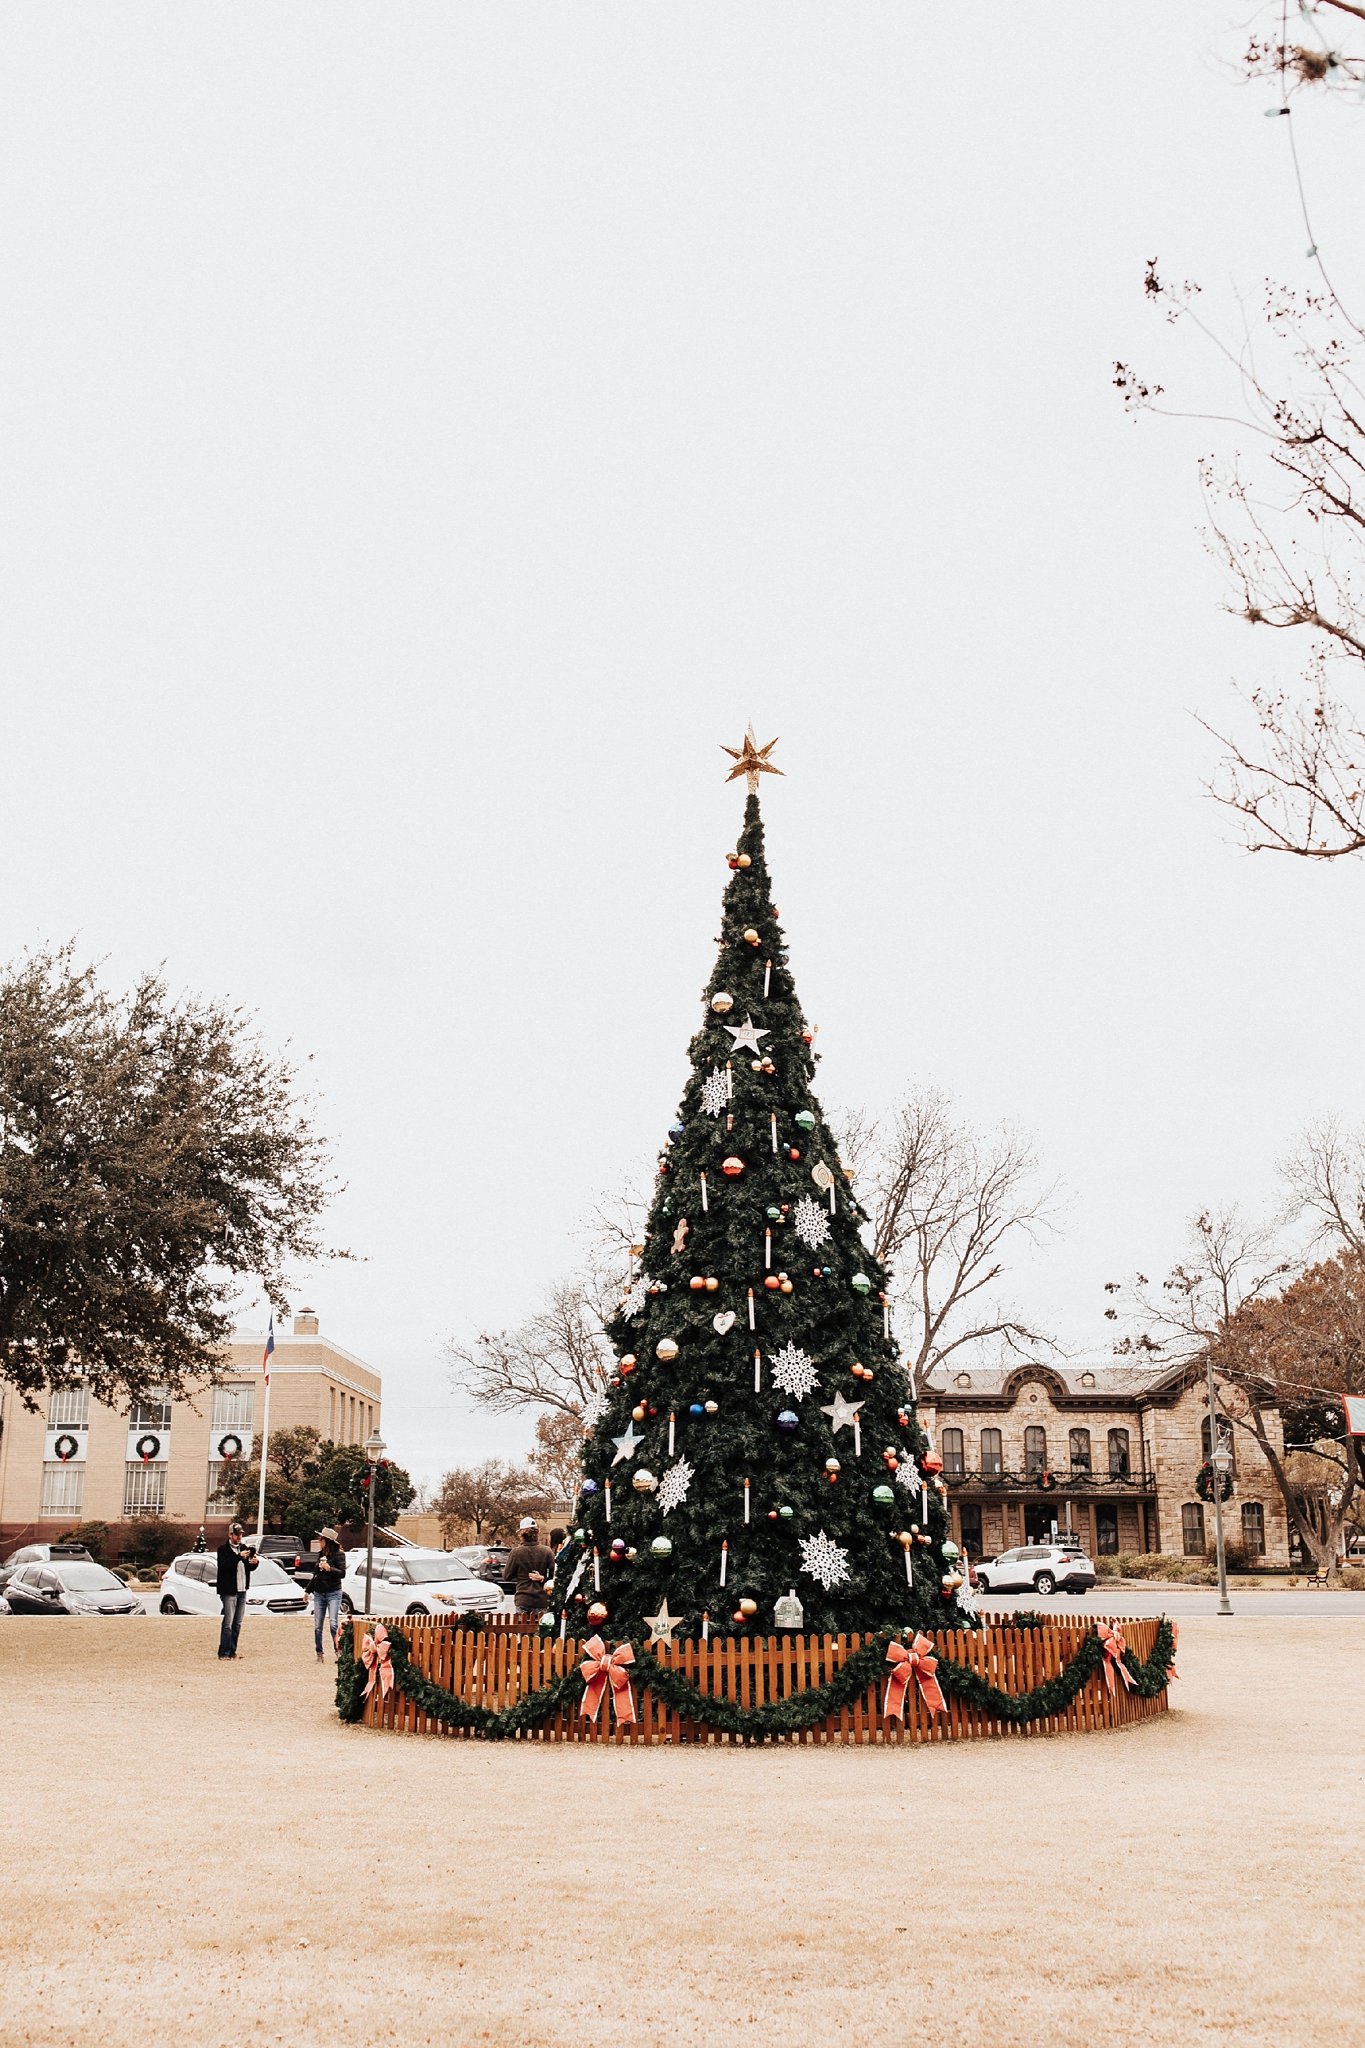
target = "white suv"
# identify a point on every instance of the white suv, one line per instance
(416, 1582)
(1036, 1568)
(190, 1586)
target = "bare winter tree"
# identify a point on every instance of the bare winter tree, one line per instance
(556, 1359)
(1289, 524)
(948, 1203)
(489, 1499)
(1325, 1174)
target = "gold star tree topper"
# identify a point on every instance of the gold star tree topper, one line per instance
(751, 760)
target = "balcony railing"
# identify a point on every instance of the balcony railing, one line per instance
(1057, 1479)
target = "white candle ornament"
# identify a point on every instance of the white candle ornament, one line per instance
(768, 1249)
(670, 1432)
(746, 1500)
(596, 1571)
(758, 1372)
(772, 1126)
(606, 1494)
(751, 1308)
(767, 976)
(704, 1203)
(724, 1560)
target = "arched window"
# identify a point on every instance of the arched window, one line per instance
(952, 1454)
(1253, 1527)
(1080, 1450)
(1119, 1464)
(1225, 1432)
(991, 1451)
(1192, 1528)
(1035, 1450)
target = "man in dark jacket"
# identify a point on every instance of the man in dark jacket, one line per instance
(528, 1567)
(236, 1563)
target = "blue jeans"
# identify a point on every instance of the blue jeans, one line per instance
(326, 1606)
(234, 1607)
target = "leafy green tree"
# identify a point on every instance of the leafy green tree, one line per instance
(152, 1156)
(335, 1490)
(753, 1335)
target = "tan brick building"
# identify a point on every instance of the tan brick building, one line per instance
(78, 1461)
(1109, 1451)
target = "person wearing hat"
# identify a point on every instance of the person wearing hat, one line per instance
(236, 1562)
(528, 1566)
(329, 1569)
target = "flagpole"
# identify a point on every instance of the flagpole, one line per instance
(265, 1430)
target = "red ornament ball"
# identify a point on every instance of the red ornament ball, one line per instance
(732, 1167)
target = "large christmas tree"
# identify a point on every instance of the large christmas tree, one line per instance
(757, 1437)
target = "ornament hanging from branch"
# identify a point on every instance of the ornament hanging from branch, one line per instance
(674, 1484)
(637, 1294)
(810, 1223)
(594, 1408)
(825, 1560)
(715, 1092)
(793, 1370)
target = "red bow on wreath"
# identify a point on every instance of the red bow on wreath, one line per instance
(1114, 1648)
(916, 1661)
(600, 1670)
(377, 1657)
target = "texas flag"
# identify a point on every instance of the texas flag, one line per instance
(269, 1347)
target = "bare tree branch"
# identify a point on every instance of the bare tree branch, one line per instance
(948, 1203)
(556, 1359)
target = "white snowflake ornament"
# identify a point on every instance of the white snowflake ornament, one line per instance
(811, 1223)
(715, 1092)
(824, 1559)
(594, 1408)
(793, 1370)
(674, 1484)
(637, 1294)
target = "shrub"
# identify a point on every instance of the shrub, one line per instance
(1150, 1564)
(1236, 1555)
(156, 1541)
(94, 1536)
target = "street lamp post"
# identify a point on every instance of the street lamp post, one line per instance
(374, 1451)
(1220, 1457)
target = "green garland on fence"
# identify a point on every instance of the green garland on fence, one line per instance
(863, 1668)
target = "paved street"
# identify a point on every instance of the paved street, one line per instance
(1178, 1600)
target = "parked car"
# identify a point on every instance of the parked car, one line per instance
(39, 1553)
(1036, 1568)
(288, 1552)
(69, 1586)
(190, 1587)
(487, 1561)
(417, 1582)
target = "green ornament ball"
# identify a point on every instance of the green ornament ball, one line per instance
(786, 1513)
(883, 1496)
(805, 1119)
(860, 1284)
(949, 1550)
(662, 1546)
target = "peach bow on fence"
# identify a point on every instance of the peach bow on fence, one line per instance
(601, 1669)
(915, 1661)
(1114, 1647)
(377, 1657)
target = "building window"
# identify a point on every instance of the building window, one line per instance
(1192, 1528)
(1225, 1433)
(1119, 1466)
(953, 1465)
(62, 1486)
(68, 1408)
(1080, 1450)
(1035, 1451)
(1253, 1527)
(222, 1492)
(1106, 1531)
(233, 1407)
(153, 1411)
(970, 1521)
(144, 1489)
(991, 1451)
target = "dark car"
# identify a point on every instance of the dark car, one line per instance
(69, 1586)
(39, 1553)
(288, 1553)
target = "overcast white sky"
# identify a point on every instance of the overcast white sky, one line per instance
(429, 432)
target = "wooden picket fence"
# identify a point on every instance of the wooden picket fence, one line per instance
(496, 1668)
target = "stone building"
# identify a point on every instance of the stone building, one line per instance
(1109, 1451)
(75, 1460)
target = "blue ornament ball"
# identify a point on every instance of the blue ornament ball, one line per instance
(675, 1131)
(696, 1409)
(789, 1419)
(588, 1486)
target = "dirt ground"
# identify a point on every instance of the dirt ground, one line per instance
(203, 1856)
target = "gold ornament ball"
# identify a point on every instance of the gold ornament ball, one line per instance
(748, 1607)
(644, 1481)
(721, 1001)
(744, 861)
(666, 1349)
(711, 1283)
(638, 1413)
(751, 936)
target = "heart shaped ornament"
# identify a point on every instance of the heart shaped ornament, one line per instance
(723, 1322)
